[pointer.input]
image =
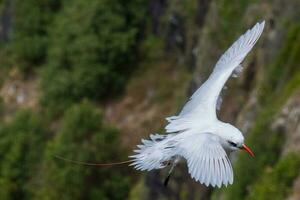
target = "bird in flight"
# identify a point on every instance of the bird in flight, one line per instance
(196, 134)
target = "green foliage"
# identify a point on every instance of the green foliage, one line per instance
(83, 137)
(2, 106)
(247, 171)
(275, 183)
(21, 149)
(152, 48)
(279, 84)
(31, 21)
(289, 57)
(92, 51)
(138, 190)
(231, 12)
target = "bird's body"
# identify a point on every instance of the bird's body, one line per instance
(196, 134)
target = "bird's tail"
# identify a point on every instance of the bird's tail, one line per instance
(153, 153)
(90, 163)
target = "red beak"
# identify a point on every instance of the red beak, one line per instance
(244, 147)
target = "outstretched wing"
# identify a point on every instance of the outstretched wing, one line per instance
(206, 159)
(203, 102)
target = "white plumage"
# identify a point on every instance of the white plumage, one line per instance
(196, 134)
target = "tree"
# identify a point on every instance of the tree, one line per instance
(92, 52)
(21, 149)
(83, 137)
(31, 24)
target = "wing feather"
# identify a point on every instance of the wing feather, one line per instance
(206, 159)
(203, 102)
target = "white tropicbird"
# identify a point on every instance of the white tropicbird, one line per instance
(196, 134)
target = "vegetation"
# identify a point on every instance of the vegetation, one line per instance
(83, 137)
(92, 51)
(231, 11)
(21, 146)
(248, 171)
(30, 38)
(275, 183)
(277, 76)
(82, 54)
(84, 50)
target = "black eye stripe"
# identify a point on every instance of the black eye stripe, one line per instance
(232, 143)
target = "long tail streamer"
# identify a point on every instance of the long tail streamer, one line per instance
(92, 164)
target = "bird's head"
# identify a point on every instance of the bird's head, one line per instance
(233, 139)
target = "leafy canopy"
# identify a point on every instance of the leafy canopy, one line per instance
(83, 137)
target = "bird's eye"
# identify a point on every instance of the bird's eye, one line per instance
(232, 143)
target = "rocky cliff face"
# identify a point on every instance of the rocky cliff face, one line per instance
(288, 124)
(263, 102)
(178, 49)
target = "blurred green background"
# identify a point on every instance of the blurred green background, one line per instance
(87, 79)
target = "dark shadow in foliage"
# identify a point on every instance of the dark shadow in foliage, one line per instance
(31, 21)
